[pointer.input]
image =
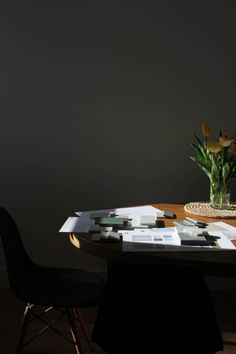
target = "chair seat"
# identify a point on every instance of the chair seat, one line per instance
(62, 287)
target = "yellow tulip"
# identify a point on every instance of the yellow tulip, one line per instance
(214, 147)
(225, 142)
(206, 130)
(224, 139)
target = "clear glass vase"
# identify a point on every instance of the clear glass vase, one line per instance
(220, 195)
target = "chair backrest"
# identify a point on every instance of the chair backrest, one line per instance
(17, 259)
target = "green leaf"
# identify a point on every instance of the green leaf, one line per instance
(202, 166)
(198, 140)
(225, 172)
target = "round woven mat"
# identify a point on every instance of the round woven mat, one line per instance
(204, 209)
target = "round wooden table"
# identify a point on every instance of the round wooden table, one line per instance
(214, 262)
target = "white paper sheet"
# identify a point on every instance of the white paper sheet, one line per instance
(149, 239)
(223, 242)
(228, 230)
(73, 224)
(134, 211)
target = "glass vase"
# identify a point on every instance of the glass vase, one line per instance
(220, 195)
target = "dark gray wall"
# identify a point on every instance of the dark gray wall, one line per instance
(99, 102)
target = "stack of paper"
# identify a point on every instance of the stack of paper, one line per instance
(83, 221)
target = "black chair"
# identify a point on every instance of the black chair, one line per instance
(45, 288)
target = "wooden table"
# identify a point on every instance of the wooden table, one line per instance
(209, 262)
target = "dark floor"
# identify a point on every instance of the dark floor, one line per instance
(225, 309)
(11, 310)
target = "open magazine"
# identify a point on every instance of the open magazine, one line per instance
(216, 236)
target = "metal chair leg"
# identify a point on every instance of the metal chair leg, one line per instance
(80, 319)
(24, 325)
(74, 332)
(72, 314)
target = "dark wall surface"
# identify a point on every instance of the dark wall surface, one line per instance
(99, 103)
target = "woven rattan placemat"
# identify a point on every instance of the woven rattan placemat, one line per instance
(204, 209)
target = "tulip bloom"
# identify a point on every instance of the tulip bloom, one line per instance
(224, 139)
(206, 130)
(214, 147)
